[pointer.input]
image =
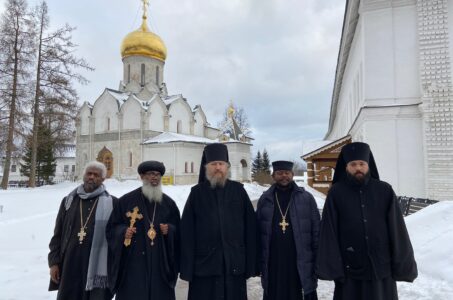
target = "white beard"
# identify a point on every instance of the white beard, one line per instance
(152, 193)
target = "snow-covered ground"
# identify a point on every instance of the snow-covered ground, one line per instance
(27, 218)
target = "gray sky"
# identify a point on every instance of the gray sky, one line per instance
(274, 58)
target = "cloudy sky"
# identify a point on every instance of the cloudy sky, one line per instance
(274, 58)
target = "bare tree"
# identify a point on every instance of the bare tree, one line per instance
(55, 95)
(16, 44)
(240, 118)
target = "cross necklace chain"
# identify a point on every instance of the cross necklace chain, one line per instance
(283, 224)
(82, 233)
(151, 231)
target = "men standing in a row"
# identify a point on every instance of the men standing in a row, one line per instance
(288, 219)
(143, 234)
(78, 248)
(218, 232)
(364, 244)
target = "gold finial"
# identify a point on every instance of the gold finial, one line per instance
(231, 110)
(145, 9)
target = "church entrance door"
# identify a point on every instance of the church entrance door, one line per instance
(105, 156)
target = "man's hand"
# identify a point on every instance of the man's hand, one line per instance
(130, 232)
(164, 229)
(55, 273)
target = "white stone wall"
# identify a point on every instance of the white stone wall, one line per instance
(151, 65)
(180, 111)
(131, 111)
(240, 152)
(106, 107)
(156, 116)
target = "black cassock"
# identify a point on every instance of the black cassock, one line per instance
(364, 244)
(284, 281)
(218, 242)
(70, 255)
(143, 271)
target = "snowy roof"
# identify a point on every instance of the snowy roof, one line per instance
(313, 148)
(120, 96)
(68, 151)
(171, 137)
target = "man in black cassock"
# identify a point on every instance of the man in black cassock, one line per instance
(364, 244)
(218, 232)
(288, 219)
(78, 249)
(145, 253)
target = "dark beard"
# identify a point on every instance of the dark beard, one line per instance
(358, 181)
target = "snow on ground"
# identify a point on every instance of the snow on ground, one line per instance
(27, 219)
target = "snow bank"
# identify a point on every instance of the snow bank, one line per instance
(431, 232)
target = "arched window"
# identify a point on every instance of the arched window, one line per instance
(157, 75)
(179, 126)
(186, 167)
(108, 124)
(128, 73)
(130, 159)
(142, 81)
(191, 167)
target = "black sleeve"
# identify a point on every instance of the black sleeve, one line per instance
(315, 224)
(169, 254)
(251, 238)
(114, 232)
(187, 239)
(404, 267)
(329, 264)
(54, 257)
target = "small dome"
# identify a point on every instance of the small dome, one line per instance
(143, 42)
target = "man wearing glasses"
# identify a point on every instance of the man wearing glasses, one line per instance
(143, 236)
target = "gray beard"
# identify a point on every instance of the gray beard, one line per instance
(152, 193)
(216, 181)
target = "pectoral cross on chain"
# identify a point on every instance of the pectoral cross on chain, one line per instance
(133, 215)
(283, 224)
(81, 235)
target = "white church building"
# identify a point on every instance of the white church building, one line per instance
(141, 121)
(393, 89)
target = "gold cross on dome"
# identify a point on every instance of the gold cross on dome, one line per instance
(145, 8)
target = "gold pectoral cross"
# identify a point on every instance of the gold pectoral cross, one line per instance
(133, 215)
(283, 224)
(81, 235)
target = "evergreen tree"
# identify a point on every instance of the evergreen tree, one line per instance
(257, 165)
(266, 164)
(45, 159)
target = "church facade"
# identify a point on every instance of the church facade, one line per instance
(393, 89)
(141, 121)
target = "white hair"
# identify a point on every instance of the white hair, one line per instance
(96, 165)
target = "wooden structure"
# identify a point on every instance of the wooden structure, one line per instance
(321, 164)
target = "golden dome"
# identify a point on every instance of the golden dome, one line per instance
(143, 42)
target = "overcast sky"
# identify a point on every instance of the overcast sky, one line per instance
(274, 58)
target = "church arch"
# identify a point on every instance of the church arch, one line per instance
(131, 111)
(105, 156)
(244, 169)
(180, 111)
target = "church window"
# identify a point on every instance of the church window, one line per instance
(130, 159)
(128, 73)
(73, 168)
(157, 75)
(179, 126)
(142, 82)
(108, 123)
(13, 168)
(66, 168)
(191, 167)
(186, 167)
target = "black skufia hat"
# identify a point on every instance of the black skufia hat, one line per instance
(351, 152)
(282, 165)
(151, 165)
(212, 152)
